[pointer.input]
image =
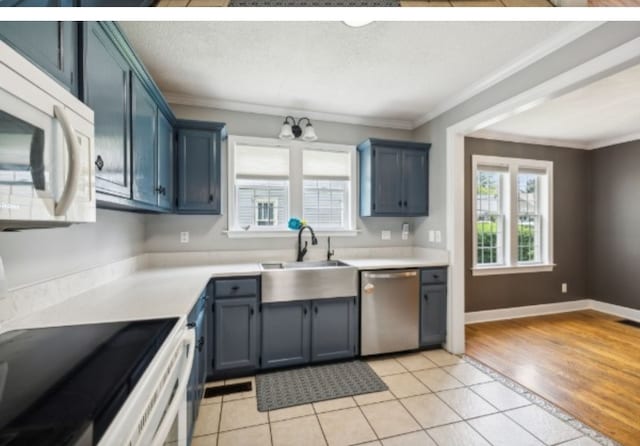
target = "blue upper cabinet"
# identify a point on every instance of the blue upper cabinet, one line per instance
(164, 177)
(144, 150)
(199, 149)
(39, 3)
(50, 45)
(106, 91)
(394, 178)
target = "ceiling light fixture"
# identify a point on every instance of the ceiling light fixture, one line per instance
(357, 23)
(291, 129)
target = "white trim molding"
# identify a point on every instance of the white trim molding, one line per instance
(500, 314)
(615, 310)
(524, 139)
(519, 269)
(246, 107)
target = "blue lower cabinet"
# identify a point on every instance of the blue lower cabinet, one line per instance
(285, 334)
(235, 333)
(433, 315)
(334, 329)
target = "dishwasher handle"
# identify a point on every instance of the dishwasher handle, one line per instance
(398, 275)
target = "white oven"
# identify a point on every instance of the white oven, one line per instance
(155, 413)
(46, 149)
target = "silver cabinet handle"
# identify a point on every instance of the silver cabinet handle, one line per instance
(71, 184)
(392, 275)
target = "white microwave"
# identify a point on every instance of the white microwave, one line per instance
(47, 176)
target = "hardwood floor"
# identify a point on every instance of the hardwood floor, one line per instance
(584, 362)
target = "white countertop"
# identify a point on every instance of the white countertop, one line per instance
(167, 292)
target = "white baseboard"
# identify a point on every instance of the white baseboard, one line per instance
(555, 308)
(526, 311)
(616, 310)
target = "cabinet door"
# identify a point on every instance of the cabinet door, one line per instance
(415, 199)
(387, 181)
(198, 171)
(333, 329)
(143, 128)
(106, 80)
(165, 163)
(235, 333)
(433, 315)
(285, 334)
(50, 45)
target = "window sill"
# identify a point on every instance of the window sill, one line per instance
(239, 233)
(497, 270)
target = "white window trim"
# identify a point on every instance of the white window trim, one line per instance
(511, 265)
(295, 187)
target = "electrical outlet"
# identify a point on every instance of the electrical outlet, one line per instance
(184, 237)
(385, 235)
(564, 288)
(432, 235)
(438, 236)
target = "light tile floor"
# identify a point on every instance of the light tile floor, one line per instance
(434, 399)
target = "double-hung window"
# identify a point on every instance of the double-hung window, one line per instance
(271, 180)
(261, 187)
(512, 217)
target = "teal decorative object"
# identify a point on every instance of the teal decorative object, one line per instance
(295, 223)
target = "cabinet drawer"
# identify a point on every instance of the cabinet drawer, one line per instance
(236, 287)
(434, 275)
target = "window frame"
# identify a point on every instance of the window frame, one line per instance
(296, 186)
(513, 166)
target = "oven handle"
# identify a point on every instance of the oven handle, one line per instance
(71, 184)
(189, 339)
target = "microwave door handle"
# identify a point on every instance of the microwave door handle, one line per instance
(71, 184)
(161, 434)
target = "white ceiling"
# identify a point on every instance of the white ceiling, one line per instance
(387, 73)
(602, 113)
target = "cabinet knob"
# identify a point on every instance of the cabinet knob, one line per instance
(426, 296)
(211, 198)
(304, 311)
(405, 203)
(400, 203)
(315, 310)
(235, 288)
(251, 312)
(99, 162)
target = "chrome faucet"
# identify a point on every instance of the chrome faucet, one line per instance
(303, 250)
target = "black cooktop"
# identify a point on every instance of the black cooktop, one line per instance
(64, 385)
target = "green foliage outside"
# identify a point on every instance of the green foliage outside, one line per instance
(487, 234)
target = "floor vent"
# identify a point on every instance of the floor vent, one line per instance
(212, 392)
(630, 323)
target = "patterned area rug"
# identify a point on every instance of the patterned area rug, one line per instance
(318, 383)
(314, 3)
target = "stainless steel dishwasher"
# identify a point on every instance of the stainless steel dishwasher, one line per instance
(390, 301)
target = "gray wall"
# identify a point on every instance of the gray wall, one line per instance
(581, 50)
(35, 255)
(570, 210)
(206, 232)
(614, 231)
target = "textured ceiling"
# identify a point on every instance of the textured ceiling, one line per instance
(386, 70)
(605, 110)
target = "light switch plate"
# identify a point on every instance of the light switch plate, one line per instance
(438, 236)
(432, 236)
(184, 237)
(564, 288)
(405, 231)
(385, 235)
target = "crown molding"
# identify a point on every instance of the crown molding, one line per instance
(535, 54)
(545, 48)
(523, 139)
(598, 144)
(221, 104)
